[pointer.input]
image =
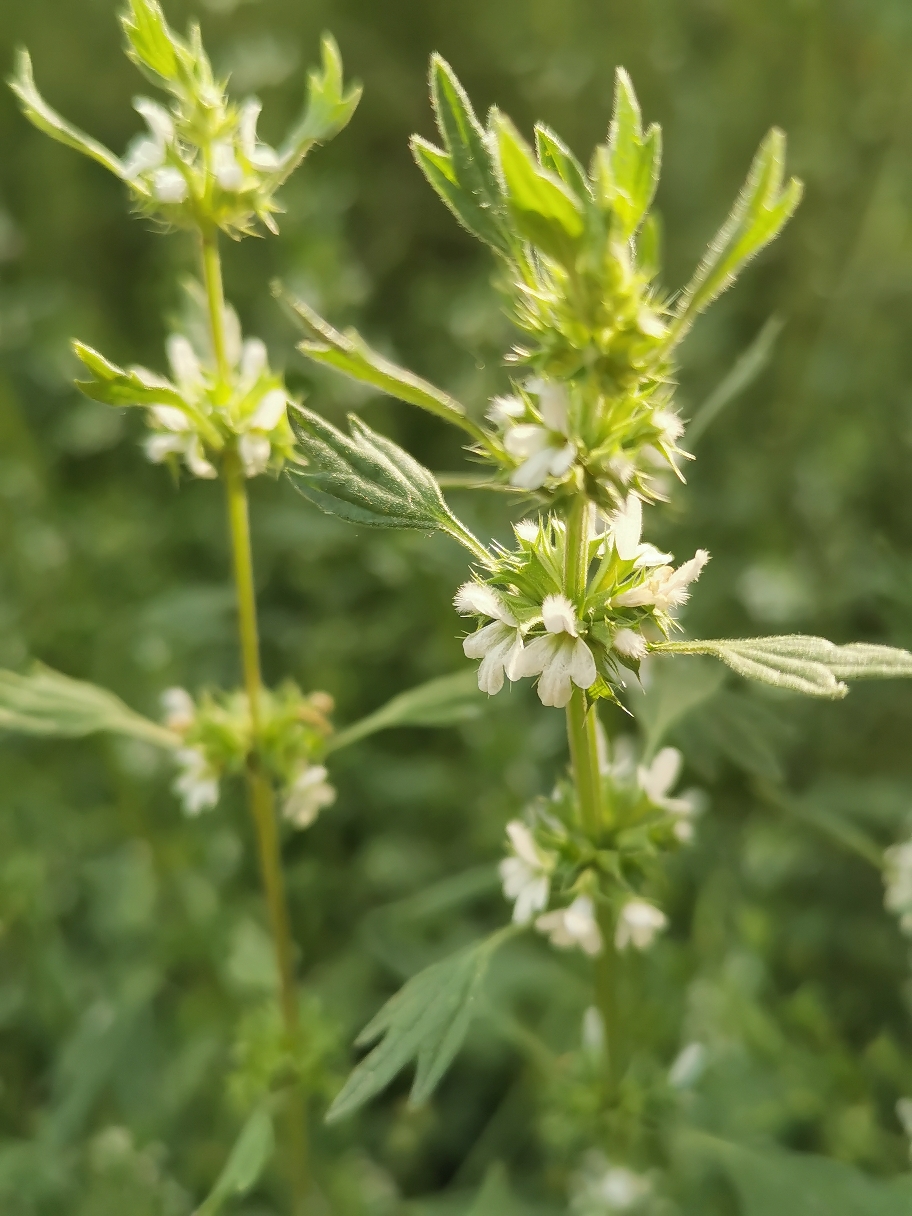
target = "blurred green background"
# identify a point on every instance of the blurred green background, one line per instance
(133, 965)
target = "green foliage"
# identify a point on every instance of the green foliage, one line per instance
(252, 1150)
(330, 107)
(440, 702)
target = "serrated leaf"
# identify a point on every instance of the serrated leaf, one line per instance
(151, 45)
(634, 159)
(329, 109)
(45, 702)
(546, 212)
(351, 355)
(441, 702)
(113, 385)
(426, 1021)
(46, 119)
(463, 171)
(758, 216)
(808, 665)
(249, 1156)
(556, 157)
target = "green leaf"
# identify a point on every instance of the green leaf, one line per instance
(777, 1183)
(113, 385)
(463, 172)
(44, 702)
(633, 160)
(556, 157)
(151, 44)
(761, 211)
(546, 212)
(808, 665)
(330, 107)
(441, 702)
(367, 479)
(252, 1150)
(426, 1021)
(350, 354)
(40, 114)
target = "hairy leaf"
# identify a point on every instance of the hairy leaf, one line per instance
(463, 172)
(113, 385)
(251, 1151)
(426, 1021)
(808, 665)
(441, 702)
(330, 107)
(545, 210)
(556, 157)
(44, 702)
(634, 159)
(350, 354)
(40, 114)
(150, 43)
(758, 216)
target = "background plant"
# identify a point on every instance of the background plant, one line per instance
(798, 971)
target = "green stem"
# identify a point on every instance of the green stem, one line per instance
(261, 796)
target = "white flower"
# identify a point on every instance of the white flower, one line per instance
(543, 449)
(573, 926)
(144, 153)
(260, 155)
(666, 588)
(270, 411)
(196, 784)
(253, 362)
(526, 876)
(178, 707)
(601, 1187)
(629, 643)
(169, 185)
(898, 880)
(503, 410)
(185, 364)
(481, 600)
(228, 173)
(254, 450)
(626, 527)
(669, 426)
(309, 793)
(638, 924)
(500, 649)
(160, 446)
(561, 657)
(527, 530)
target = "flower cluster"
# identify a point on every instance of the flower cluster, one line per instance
(551, 858)
(217, 738)
(530, 627)
(200, 163)
(198, 413)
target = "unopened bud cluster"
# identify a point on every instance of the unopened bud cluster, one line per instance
(218, 738)
(558, 876)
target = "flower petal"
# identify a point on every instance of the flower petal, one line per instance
(532, 474)
(583, 671)
(559, 615)
(627, 526)
(477, 644)
(527, 439)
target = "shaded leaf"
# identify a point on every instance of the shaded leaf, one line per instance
(113, 385)
(44, 702)
(330, 107)
(759, 214)
(40, 114)
(252, 1150)
(426, 1021)
(441, 702)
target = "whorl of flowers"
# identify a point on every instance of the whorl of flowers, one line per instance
(530, 627)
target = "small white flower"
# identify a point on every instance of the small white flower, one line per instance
(526, 876)
(196, 462)
(627, 527)
(500, 649)
(159, 447)
(144, 153)
(503, 410)
(270, 411)
(481, 600)
(169, 185)
(669, 425)
(638, 924)
(260, 155)
(253, 362)
(898, 881)
(185, 364)
(527, 530)
(170, 417)
(179, 708)
(629, 643)
(309, 793)
(561, 658)
(666, 588)
(542, 449)
(254, 450)
(196, 784)
(228, 173)
(573, 926)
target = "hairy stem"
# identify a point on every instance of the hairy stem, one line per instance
(583, 737)
(261, 797)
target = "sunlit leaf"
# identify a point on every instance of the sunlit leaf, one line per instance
(632, 160)
(441, 702)
(151, 44)
(329, 110)
(113, 385)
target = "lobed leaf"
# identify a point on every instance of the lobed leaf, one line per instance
(546, 212)
(41, 115)
(761, 211)
(808, 665)
(634, 160)
(441, 702)
(329, 110)
(555, 157)
(463, 172)
(45, 702)
(151, 45)
(113, 385)
(426, 1021)
(251, 1151)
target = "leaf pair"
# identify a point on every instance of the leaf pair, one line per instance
(808, 665)
(367, 479)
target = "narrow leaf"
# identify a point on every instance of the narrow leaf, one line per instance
(350, 354)
(758, 216)
(556, 157)
(426, 1021)
(113, 385)
(441, 702)
(634, 159)
(44, 702)
(40, 114)
(251, 1152)
(329, 110)
(151, 44)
